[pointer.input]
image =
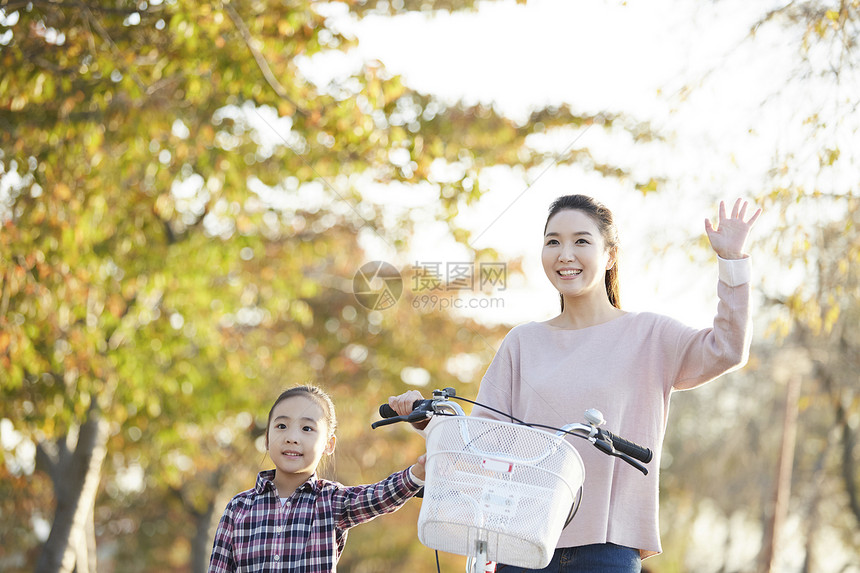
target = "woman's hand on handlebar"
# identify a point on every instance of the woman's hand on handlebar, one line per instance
(402, 404)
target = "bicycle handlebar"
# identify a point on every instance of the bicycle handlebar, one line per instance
(387, 411)
(603, 440)
(421, 410)
(632, 449)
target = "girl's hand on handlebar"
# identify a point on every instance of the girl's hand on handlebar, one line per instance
(418, 468)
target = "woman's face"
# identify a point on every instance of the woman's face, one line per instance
(574, 256)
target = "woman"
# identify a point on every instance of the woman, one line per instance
(595, 355)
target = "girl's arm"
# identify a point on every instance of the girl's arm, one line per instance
(358, 504)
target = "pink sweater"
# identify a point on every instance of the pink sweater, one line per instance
(626, 368)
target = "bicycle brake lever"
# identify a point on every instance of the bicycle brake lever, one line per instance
(606, 447)
(632, 462)
(387, 421)
(418, 416)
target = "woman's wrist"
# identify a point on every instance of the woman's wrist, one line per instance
(735, 272)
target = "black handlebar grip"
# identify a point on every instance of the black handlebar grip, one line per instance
(633, 450)
(387, 411)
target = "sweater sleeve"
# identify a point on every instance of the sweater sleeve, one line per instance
(706, 354)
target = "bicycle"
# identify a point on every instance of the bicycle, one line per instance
(502, 491)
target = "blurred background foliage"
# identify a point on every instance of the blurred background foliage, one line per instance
(179, 241)
(180, 210)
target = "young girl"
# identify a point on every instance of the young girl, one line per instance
(595, 355)
(292, 520)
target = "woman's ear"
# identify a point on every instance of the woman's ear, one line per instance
(329, 447)
(613, 252)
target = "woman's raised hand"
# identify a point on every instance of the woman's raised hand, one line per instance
(729, 236)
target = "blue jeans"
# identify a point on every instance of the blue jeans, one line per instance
(600, 558)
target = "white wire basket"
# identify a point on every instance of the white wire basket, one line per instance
(504, 488)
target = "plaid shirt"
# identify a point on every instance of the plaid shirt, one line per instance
(307, 533)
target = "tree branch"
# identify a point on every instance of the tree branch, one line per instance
(259, 58)
(18, 5)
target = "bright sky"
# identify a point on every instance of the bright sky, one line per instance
(630, 58)
(597, 56)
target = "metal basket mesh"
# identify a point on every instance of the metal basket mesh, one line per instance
(507, 485)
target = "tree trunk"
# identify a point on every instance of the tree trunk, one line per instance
(782, 488)
(200, 544)
(75, 476)
(847, 439)
(849, 476)
(813, 515)
(86, 546)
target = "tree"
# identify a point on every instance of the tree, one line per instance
(809, 327)
(820, 235)
(179, 208)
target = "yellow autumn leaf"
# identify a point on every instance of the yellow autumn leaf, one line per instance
(62, 191)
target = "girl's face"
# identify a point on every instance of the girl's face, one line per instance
(574, 256)
(298, 436)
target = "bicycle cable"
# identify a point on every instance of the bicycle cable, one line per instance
(515, 420)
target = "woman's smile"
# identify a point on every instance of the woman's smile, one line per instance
(568, 273)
